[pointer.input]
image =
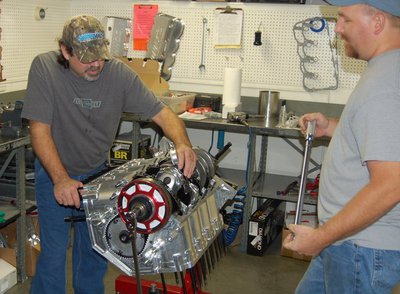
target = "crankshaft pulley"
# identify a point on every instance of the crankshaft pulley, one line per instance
(150, 202)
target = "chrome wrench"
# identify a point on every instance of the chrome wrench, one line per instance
(202, 66)
(304, 170)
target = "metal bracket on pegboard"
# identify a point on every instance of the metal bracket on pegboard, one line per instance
(1, 66)
(315, 37)
(1, 53)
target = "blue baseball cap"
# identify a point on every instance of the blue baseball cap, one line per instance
(390, 6)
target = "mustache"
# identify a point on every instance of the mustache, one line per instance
(92, 68)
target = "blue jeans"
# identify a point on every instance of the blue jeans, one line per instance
(349, 268)
(89, 267)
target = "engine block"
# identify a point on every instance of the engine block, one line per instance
(176, 218)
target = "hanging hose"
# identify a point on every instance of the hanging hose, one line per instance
(236, 217)
(212, 141)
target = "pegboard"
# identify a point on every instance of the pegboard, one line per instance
(23, 37)
(273, 65)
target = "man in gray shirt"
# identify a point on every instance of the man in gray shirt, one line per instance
(357, 244)
(74, 102)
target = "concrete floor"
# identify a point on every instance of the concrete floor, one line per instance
(234, 273)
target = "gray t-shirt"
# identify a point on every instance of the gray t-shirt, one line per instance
(84, 116)
(368, 129)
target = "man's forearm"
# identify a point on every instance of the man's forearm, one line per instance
(172, 126)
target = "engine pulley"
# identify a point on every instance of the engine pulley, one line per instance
(149, 201)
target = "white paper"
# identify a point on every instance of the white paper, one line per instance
(229, 29)
(193, 116)
(253, 228)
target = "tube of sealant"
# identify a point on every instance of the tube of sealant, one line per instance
(282, 114)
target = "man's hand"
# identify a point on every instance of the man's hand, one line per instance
(174, 129)
(66, 192)
(304, 240)
(187, 159)
(324, 126)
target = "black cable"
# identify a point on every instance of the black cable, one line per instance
(212, 141)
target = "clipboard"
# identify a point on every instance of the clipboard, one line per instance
(229, 27)
(143, 19)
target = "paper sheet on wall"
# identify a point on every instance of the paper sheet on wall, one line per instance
(143, 19)
(229, 26)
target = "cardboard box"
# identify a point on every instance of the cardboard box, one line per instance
(32, 251)
(179, 102)
(121, 150)
(308, 219)
(149, 73)
(31, 257)
(264, 226)
(8, 276)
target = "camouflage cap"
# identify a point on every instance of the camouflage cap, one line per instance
(86, 36)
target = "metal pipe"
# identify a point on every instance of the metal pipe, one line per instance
(131, 226)
(222, 151)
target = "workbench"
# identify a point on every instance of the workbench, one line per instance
(14, 141)
(264, 185)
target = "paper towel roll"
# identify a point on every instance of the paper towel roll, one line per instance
(232, 86)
